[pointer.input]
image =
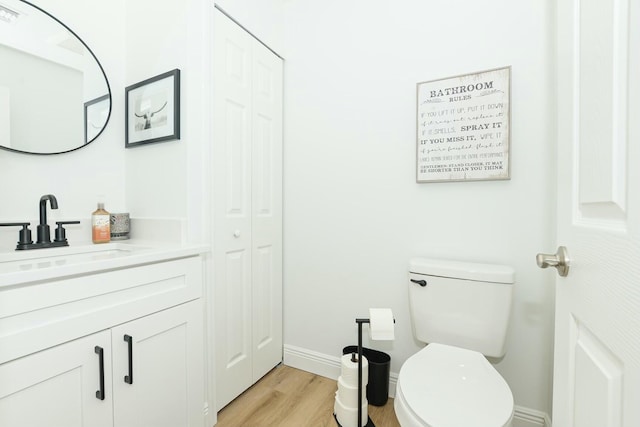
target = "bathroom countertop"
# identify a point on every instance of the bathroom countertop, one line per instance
(22, 267)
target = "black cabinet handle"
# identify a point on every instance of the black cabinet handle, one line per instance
(422, 283)
(100, 352)
(129, 378)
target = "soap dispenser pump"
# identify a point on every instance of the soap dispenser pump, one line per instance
(100, 225)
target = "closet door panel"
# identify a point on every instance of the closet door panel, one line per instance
(267, 210)
(232, 208)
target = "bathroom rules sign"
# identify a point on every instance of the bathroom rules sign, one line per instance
(463, 127)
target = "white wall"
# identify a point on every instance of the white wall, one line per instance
(156, 173)
(354, 214)
(168, 179)
(79, 177)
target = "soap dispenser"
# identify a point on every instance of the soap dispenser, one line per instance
(100, 225)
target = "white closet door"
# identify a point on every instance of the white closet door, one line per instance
(266, 221)
(247, 208)
(232, 209)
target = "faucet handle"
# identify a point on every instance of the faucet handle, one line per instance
(61, 235)
(61, 223)
(25, 233)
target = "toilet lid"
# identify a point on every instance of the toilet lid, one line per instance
(448, 386)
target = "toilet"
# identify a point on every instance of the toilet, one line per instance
(461, 310)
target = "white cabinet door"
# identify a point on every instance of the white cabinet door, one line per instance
(57, 387)
(247, 209)
(597, 336)
(158, 377)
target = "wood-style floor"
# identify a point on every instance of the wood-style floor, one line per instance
(289, 397)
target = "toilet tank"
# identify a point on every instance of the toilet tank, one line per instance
(462, 304)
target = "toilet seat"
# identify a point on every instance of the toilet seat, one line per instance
(446, 386)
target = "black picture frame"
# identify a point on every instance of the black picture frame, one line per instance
(96, 114)
(152, 110)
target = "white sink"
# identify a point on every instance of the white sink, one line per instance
(37, 265)
(43, 258)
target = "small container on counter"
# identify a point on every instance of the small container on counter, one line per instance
(120, 226)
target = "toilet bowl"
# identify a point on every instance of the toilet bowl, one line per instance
(446, 386)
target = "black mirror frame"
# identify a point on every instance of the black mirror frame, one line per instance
(106, 80)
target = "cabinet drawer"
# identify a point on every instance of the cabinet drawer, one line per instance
(39, 315)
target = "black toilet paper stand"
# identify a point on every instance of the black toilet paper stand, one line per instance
(369, 422)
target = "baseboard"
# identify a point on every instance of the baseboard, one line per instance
(312, 361)
(525, 417)
(322, 364)
(329, 367)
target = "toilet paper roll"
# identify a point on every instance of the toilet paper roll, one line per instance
(349, 371)
(381, 327)
(348, 394)
(348, 417)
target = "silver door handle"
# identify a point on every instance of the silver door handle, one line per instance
(559, 260)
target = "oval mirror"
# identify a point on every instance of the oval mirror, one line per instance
(54, 94)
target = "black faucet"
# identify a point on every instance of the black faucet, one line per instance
(44, 236)
(43, 228)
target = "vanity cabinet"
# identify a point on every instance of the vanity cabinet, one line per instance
(121, 348)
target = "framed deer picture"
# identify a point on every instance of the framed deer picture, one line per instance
(152, 110)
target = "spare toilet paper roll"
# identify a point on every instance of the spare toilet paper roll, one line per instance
(348, 417)
(349, 371)
(381, 324)
(349, 394)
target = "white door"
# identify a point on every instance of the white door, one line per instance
(232, 208)
(57, 387)
(597, 336)
(158, 378)
(247, 247)
(266, 210)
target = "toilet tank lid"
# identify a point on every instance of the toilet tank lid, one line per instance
(463, 270)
